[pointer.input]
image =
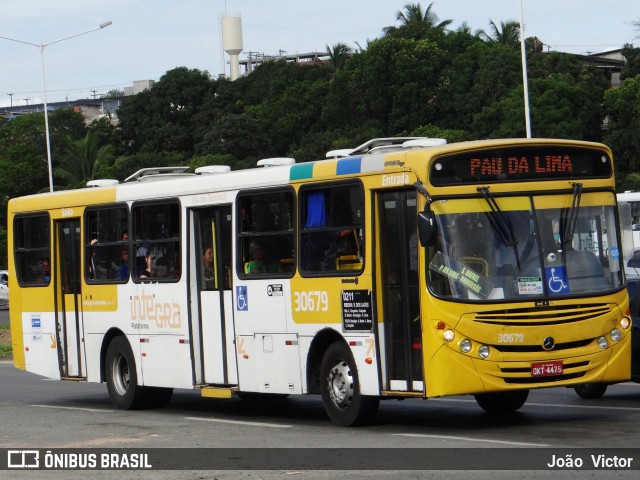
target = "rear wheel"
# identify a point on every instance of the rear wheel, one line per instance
(122, 379)
(502, 402)
(591, 390)
(340, 386)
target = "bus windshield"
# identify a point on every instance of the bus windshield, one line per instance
(525, 248)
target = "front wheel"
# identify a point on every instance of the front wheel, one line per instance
(591, 390)
(340, 386)
(502, 402)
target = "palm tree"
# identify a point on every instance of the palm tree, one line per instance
(78, 164)
(421, 23)
(507, 34)
(339, 53)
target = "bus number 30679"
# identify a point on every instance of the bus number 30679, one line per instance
(312, 301)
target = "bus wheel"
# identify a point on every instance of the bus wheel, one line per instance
(502, 402)
(122, 380)
(341, 388)
(591, 390)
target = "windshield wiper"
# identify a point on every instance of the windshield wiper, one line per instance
(500, 224)
(570, 216)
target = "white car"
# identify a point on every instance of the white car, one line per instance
(4, 287)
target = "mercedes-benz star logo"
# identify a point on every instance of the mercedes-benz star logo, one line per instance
(548, 343)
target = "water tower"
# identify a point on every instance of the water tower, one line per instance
(232, 42)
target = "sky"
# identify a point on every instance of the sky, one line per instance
(149, 37)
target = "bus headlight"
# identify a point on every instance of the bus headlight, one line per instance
(484, 351)
(625, 322)
(616, 335)
(602, 342)
(448, 335)
(465, 345)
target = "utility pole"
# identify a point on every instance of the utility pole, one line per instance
(27, 100)
(11, 97)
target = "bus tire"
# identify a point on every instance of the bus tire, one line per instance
(121, 376)
(502, 402)
(340, 388)
(590, 391)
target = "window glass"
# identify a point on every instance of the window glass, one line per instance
(107, 245)
(530, 248)
(266, 240)
(332, 236)
(32, 250)
(156, 242)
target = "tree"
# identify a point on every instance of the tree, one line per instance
(622, 106)
(167, 116)
(79, 163)
(339, 53)
(238, 135)
(23, 157)
(417, 23)
(388, 89)
(631, 68)
(507, 34)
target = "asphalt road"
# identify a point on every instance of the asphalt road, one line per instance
(4, 315)
(40, 413)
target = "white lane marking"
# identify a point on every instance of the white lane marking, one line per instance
(555, 405)
(101, 410)
(238, 422)
(469, 439)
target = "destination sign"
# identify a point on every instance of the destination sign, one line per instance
(520, 163)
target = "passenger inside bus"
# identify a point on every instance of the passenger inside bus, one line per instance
(207, 268)
(122, 273)
(45, 276)
(143, 262)
(260, 263)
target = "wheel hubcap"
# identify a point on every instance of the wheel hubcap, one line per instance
(121, 374)
(340, 384)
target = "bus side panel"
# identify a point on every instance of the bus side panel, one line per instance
(364, 353)
(160, 318)
(39, 343)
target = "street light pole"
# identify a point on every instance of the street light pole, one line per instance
(525, 83)
(42, 46)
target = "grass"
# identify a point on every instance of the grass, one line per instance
(6, 351)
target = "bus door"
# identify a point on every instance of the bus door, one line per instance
(398, 261)
(66, 279)
(211, 301)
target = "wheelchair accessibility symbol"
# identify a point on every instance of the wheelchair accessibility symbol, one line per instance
(557, 280)
(242, 302)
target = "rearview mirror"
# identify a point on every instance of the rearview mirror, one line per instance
(427, 228)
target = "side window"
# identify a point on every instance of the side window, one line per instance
(106, 244)
(156, 242)
(265, 234)
(332, 237)
(32, 240)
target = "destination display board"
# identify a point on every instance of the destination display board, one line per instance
(356, 310)
(520, 163)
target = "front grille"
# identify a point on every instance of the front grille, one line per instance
(542, 316)
(538, 348)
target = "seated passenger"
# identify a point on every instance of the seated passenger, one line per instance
(122, 273)
(259, 264)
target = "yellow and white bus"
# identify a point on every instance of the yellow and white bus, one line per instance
(402, 268)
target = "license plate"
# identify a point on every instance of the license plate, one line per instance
(547, 369)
